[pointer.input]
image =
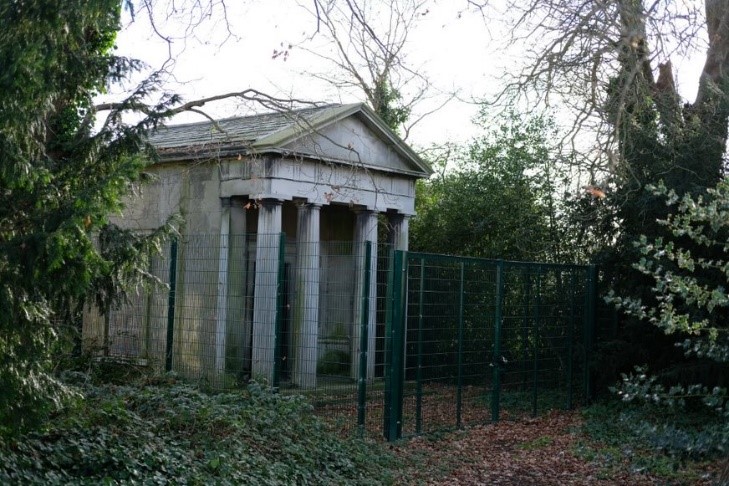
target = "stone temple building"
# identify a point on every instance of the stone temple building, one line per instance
(270, 268)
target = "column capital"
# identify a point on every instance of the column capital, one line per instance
(270, 201)
(363, 211)
(302, 204)
(397, 217)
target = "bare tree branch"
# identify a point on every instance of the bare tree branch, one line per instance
(598, 58)
(250, 94)
(369, 40)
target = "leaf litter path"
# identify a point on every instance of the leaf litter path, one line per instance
(536, 451)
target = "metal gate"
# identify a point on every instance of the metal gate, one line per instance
(471, 340)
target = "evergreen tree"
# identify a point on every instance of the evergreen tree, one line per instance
(59, 180)
(659, 140)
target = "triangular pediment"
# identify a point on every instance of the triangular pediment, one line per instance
(351, 141)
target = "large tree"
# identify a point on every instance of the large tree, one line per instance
(603, 59)
(610, 64)
(368, 44)
(59, 180)
(66, 164)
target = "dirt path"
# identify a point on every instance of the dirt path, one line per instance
(539, 451)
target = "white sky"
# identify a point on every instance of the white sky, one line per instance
(456, 52)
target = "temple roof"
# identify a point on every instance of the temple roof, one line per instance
(277, 132)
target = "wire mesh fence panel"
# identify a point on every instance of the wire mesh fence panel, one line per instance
(318, 333)
(239, 306)
(542, 338)
(381, 340)
(449, 339)
(486, 340)
(302, 317)
(134, 330)
(347, 318)
(195, 307)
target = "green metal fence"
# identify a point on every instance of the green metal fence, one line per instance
(474, 340)
(384, 342)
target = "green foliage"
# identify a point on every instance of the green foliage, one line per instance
(657, 138)
(658, 442)
(386, 101)
(499, 202)
(60, 181)
(690, 275)
(162, 434)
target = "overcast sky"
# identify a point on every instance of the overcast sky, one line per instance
(459, 51)
(454, 52)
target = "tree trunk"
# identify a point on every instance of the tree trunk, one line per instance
(711, 108)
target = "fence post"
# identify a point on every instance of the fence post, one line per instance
(171, 297)
(419, 371)
(394, 385)
(496, 361)
(362, 375)
(589, 325)
(525, 325)
(537, 319)
(570, 338)
(459, 379)
(279, 311)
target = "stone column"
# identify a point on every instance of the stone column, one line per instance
(399, 231)
(305, 328)
(365, 230)
(238, 341)
(266, 289)
(222, 304)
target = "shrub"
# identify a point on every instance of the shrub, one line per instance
(690, 274)
(160, 434)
